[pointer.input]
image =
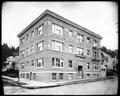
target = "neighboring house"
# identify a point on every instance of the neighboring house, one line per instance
(53, 48)
(107, 60)
(107, 64)
(115, 64)
(10, 63)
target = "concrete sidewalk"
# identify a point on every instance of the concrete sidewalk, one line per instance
(36, 84)
(30, 84)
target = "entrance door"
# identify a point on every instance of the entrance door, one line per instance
(80, 72)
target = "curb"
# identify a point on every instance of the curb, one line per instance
(67, 83)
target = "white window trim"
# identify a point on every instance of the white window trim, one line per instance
(40, 30)
(57, 44)
(42, 64)
(57, 27)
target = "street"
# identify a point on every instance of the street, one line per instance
(109, 86)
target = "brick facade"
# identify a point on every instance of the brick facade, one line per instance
(79, 62)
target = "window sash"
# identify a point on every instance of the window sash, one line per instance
(54, 76)
(70, 48)
(32, 48)
(32, 34)
(80, 37)
(57, 62)
(80, 51)
(60, 75)
(70, 63)
(57, 46)
(39, 46)
(23, 65)
(88, 40)
(40, 62)
(70, 33)
(57, 29)
(95, 43)
(39, 30)
(32, 63)
(88, 52)
(70, 76)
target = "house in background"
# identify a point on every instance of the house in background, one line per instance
(107, 62)
(53, 48)
(11, 63)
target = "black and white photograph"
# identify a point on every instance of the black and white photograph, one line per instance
(59, 48)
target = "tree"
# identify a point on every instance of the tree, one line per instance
(8, 51)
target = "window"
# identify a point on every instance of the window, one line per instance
(95, 43)
(34, 75)
(39, 30)
(32, 34)
(32, 61)
(95, 66)
(32, 48)
(95, 54)
(27, 63)
(23, 65)
(23, 40)
(88, 52)
(103, 69)
(70, 76)
(70, 33)
(59, 62)
(23, 75)
(88, 40)
(27, 75)
(88, 65)
(23, 53)
(27, 36)
(80, 51)
(57, 45)
(40, 62)
(54, 76)
(60, 75)
(29, 50)
(88, 75)
(80, 37)
(57, 29)
(53, 61)
(70, 48)
(39, 46)
(106, 59)
(70, 63)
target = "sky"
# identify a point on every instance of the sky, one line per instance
(99, 17)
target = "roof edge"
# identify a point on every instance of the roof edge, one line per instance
(61, 18)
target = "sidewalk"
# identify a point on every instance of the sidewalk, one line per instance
(30, 84)
(36, 84)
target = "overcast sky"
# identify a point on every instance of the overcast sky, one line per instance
(99, 17)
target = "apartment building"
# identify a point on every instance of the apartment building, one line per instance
(53, 48)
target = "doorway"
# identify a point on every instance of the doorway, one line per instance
(80, 72)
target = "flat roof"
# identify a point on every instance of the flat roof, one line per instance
(60, 18)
